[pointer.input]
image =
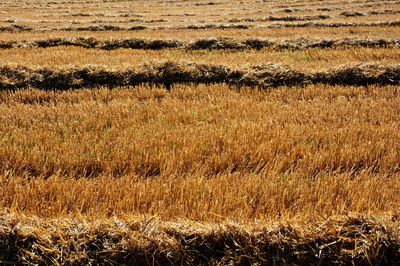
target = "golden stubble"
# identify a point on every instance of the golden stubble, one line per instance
(201, 152)
(309, 60)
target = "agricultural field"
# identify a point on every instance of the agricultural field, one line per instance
(200, 132)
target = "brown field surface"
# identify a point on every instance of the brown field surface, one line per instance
(201, 132)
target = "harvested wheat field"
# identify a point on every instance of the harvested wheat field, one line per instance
(200, 132)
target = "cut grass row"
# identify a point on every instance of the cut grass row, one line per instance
(169, 74)
(148, 241)
(194, 27)
(205, 44)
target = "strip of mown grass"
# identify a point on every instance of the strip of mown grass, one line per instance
(346, 240)
(170, 73)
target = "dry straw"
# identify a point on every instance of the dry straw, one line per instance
(204, 44)
(354, 239)
(107, 27)
(170, 73)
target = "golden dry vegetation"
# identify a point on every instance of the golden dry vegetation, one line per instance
(308, 60)
(293, 152)
(70, 14)
(199, 132)
(236, 34)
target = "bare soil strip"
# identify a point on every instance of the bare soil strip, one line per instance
(170, 73)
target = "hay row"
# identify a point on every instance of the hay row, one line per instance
(299, 25)
(15, 28)
(137, 20)
(170, 73)
(285, 18)
(349, 240)
(384, 12)
(203, 44)
(94, 21)
(207, 26)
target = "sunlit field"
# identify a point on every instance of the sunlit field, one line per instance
(199, 132)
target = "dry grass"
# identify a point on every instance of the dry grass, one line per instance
(205, 44)
(310, 60)
(169, 74)
(175, 152)
(212, 170)
(193, 27)
(177, 14)
(148, 241)
(250, 197)
(192, 35)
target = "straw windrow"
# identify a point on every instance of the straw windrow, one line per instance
(170, 73)
(204, 44)
(107, 27)
(350, 239)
